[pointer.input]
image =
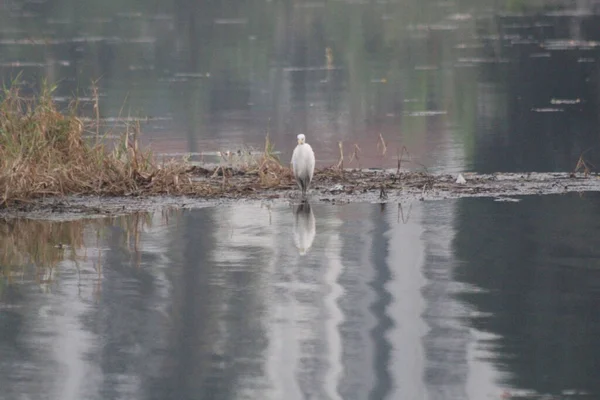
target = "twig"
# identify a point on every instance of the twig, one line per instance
(383, 146)
(399, 154)
(96, 107)
(340, 164)
(355, 155)
(583, 164)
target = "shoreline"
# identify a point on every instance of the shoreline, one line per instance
(329, 187)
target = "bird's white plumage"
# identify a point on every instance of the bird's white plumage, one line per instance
(303, 164)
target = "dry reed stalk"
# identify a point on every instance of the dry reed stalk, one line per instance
(96, 98)
(399, 155)
(381, 143)
(583, 165)
(355, 155)
(44, 152)
(340, 164)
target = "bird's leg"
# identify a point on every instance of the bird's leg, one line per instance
(302, 185)
(303, 189)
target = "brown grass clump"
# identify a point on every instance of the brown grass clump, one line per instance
(44, 152)
(270, 170)
(583, 165)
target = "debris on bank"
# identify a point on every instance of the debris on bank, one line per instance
(330, 185)
(53, 162)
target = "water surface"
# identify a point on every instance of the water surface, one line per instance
(462, 299)
(466, 85)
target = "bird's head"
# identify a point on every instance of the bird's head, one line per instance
(301, 138)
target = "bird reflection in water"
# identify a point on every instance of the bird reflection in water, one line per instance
(304, 227)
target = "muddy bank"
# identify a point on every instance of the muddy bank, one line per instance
(373, 186)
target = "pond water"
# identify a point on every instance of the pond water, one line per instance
(464, 299)
(478, 85)
(461, 299)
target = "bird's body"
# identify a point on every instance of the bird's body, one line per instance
(303, 164)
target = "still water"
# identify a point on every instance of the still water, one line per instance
(480, 85)
(462, 299)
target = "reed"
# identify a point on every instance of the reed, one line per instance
(46, 152)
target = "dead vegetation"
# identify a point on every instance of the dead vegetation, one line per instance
(583, 165)
(45, 152)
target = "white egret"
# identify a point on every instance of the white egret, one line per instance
(303, 164)
(304, 228)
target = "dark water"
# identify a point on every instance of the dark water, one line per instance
(467, 299)
(468, 85)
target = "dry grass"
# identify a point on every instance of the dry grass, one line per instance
(45, 152)
(269, 168)
(583, 165)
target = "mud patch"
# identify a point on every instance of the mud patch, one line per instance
(329, 185)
